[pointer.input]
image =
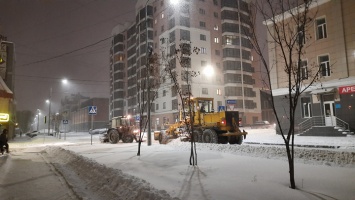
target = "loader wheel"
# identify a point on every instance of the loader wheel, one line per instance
(127, 138)
(232, 139)
(113, 136)
(240, 139)
(210, 136)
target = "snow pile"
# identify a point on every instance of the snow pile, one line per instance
(91, 180)
(304, 155)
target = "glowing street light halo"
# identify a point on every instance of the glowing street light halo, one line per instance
(208, 71)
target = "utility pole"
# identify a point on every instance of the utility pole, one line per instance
(49, 110)
(38, 120)
(148, 53)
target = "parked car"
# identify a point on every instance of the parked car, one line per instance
(98, 131)
(262, 124)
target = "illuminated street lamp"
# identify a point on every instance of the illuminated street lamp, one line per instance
(208, 71)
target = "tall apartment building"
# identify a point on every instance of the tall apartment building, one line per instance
(216, 27)
(329, 102)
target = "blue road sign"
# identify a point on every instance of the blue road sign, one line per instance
(137, 118)
(92, 110)
(65, 121)
(221, 108)
(231, 101)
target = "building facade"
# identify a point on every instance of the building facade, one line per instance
(215, 27)
(330, 101)
(75, 112)
(7, 101)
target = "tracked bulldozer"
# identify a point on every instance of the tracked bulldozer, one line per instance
(207, 126)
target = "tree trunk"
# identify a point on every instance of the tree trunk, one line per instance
(139, 147)
(291, 166)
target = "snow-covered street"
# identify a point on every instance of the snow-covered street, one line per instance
(248, 171)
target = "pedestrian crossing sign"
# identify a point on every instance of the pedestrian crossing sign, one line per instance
(92, 110)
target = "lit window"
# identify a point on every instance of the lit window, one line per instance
(155, 21)
(162, 15)
(215, 28)
(219, 92)
(203, 50)
(216, 40)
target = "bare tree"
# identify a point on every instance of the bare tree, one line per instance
(288, 24)
(143, 87)
(182, 86)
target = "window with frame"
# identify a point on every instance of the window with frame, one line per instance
(164, 105)
(203, 50)
(324, 65)
(157, 106)
(173, 91)
(204, 90)
(162, 15)
(215, 2)
(217, 52)
(203, 37)
(216, 40)
(301, 35)
(306, 107)
(304, 69)
(203, 63)
(321, 28)
(219, 92)
(202, 11)
(202, 24)
(174, 104)
(215, 14)
(162, 28)
(164, 93)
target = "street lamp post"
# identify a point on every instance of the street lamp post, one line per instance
(38, 113)
(49, 110)
(148, 74)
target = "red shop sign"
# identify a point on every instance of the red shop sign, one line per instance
(347, 89)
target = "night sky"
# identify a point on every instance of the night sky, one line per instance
(48, 35)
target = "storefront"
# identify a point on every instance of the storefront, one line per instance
(6, 110)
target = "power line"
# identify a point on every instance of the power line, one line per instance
(64, 54)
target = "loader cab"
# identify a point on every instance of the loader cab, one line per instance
(121, 121)
(204, 105)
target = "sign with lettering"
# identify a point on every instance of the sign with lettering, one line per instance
(347, 89)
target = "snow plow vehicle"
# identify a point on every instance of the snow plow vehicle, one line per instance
(208, 126)
(122, 128)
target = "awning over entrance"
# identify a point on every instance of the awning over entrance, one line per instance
(319, 91)
(5, 92)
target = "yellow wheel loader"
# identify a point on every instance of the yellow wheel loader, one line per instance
(208, 126)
